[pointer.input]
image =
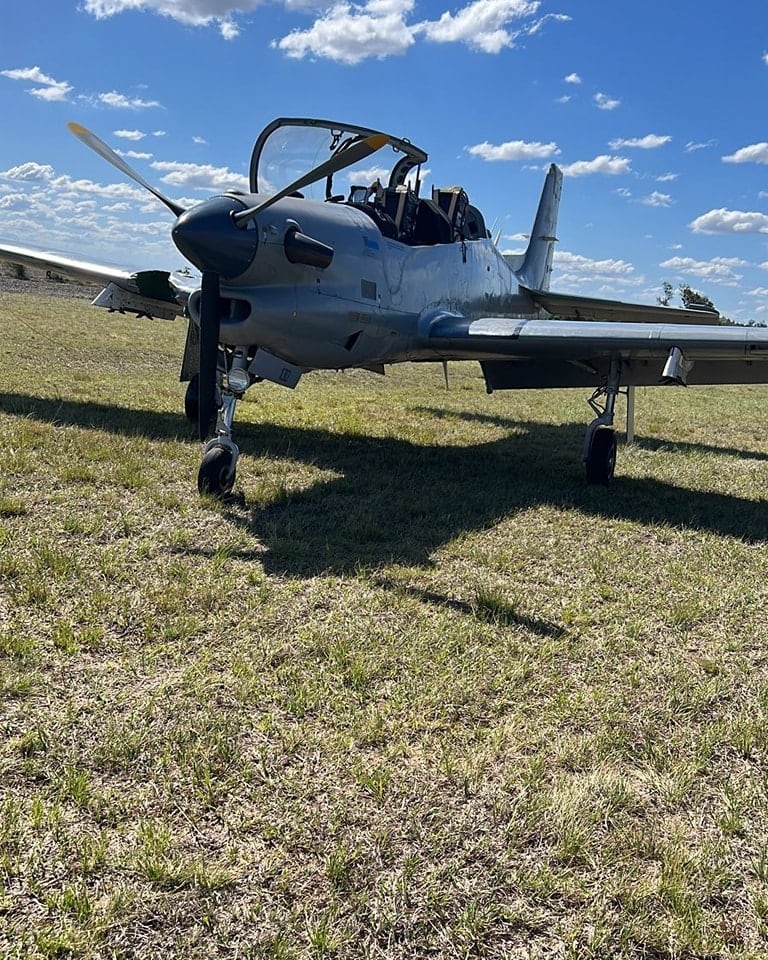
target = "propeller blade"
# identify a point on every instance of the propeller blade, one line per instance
(345, 158)
(209, 351)
(92, 141)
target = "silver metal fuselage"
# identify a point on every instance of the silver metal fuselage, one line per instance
(372, 304)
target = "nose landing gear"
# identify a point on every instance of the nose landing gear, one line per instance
(217, 473)
(218, 470)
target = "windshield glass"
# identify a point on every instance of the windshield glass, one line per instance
(288, 150)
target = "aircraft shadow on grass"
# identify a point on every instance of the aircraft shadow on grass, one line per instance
(395, 501)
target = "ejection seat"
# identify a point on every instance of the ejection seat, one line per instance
(365, 199)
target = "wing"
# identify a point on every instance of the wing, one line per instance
(154, 293)
(575, 353)
(589, 308)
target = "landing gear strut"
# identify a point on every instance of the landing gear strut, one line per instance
(600, 441)
(218, 470)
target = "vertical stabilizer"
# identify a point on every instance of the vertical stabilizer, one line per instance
(535, 268)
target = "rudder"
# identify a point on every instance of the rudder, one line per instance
(535, 268)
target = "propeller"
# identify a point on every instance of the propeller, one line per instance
(209, 351)
(344, 158)
(209, 292)
(201, 235)
(92, 141)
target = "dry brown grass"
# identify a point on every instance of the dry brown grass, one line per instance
(413, 691)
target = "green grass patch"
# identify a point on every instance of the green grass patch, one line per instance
(413, 690)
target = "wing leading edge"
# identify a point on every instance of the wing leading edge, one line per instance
(571, 353)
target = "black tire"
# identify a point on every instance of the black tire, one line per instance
(601, 458)
(192, 399)
(216, 476)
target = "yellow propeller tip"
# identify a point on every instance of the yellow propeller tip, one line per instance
(377, 142)
(76, 128)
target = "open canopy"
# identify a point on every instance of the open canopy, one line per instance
(288, 147)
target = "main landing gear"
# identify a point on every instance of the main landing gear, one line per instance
(600, 441)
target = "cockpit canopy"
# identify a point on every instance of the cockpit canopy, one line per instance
(290, 147)
(386, 186)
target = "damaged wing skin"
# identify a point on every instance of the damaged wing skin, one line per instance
(155, 293)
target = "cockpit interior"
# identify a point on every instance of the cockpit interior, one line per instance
(390, 198)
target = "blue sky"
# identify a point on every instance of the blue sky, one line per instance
(656, 111)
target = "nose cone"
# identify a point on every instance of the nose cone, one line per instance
(209, 238)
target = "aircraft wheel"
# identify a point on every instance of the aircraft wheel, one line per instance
(217, 472)
(601, 459)
(192, 399)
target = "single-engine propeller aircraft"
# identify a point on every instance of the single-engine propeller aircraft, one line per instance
(302, 274)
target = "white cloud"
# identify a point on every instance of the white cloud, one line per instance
(667, 177)
(129, 134)
(649, 142)
(120, 101)
(716, 270)
(193, 13)
(30, 172)
(574, 269)
(572, 78)
(657, 199)
(134, 154)
(692, 145)
(730, 221)
(229, 29)
(604, 102)
(514, 150)
(14, 201)
(368, 175)
(612, 166)
(755, 153)
(484, 24)
(66, 187)
(564, 99)
(47, 89)
(350, 34)
(197, 176)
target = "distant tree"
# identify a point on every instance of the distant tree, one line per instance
(692, 298)
(666, 294)
(20, 271)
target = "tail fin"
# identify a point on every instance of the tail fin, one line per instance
(535, 266)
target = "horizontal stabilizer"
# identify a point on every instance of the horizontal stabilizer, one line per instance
(571, 307)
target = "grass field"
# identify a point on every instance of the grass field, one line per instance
(413, 691)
